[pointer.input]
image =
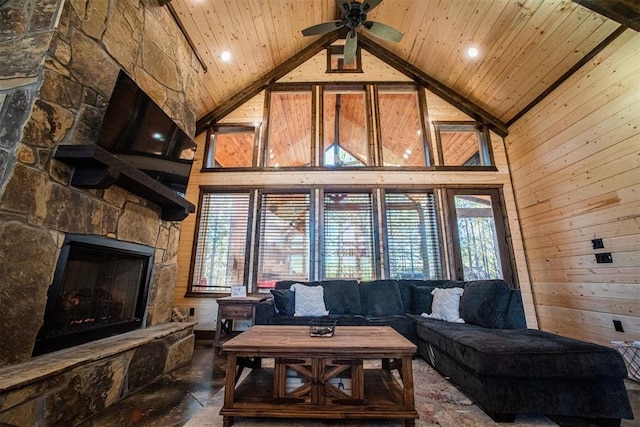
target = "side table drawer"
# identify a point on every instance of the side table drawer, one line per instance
(236, 311)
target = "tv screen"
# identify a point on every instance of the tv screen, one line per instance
(140, 133)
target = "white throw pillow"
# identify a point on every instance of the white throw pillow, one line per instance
(446, 305)
(309, 300)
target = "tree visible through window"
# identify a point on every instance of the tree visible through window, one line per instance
(477, 238)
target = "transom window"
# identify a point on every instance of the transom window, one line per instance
(231, 146)
(290, 129)
(463, 144)
(401, 130)
(345, 128)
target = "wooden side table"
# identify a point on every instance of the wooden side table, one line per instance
(234, 308)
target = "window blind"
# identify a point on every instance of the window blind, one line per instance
(284, 239)
(348, 236)
(221, 248)
(412, 242)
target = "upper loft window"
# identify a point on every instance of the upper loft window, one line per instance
(401, 128)
(336, 64)
(231, 146)
(345, 141)
(463, 144)
(289, 129)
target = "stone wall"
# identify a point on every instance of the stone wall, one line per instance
(69, 386)
(60, 62)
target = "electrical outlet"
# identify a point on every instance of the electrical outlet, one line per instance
(192, 311)
(617, 324)
(597, 243)
(604, 258)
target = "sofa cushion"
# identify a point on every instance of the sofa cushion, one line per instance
(406, 286)
(284, 301)
(421, 299)
(342, 296)
(521, 353)
(380, 298)
(446, 305)
(309, 300)
(484, 303)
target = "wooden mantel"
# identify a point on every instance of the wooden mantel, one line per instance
(97, 168)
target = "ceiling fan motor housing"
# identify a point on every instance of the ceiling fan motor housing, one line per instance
(354, 17)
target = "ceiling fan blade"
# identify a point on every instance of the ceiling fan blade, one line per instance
(323, 28)
(367, 5)
(383, 31)
(344, 5)
(350, 47)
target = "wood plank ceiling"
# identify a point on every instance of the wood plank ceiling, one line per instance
(525, 46)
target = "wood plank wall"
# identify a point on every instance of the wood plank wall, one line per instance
(314, 70)
(575, 164)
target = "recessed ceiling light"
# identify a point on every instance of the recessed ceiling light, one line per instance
(225, 56)
(472, 52)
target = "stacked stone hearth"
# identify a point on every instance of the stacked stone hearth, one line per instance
(60, 61)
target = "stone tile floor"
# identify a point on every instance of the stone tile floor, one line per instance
(176, 398)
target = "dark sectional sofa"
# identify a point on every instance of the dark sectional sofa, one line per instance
(493, 358)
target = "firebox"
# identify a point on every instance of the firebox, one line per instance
(99, 289)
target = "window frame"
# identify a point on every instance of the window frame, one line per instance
(484, 143)
(208, 161)
(339, 51)
(258, 225)
(375, 231)
(423, 119)
(436, 222)
(368, 122)
(248, 248)
(503, 235)
(268, 123)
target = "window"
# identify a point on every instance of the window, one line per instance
(348, 236)
(284, 250)
(221, 254)
(290, 130)
(412, 242)
(480, 245)
(463, 144)
(307, 234)
(231, 147)
(345, 128)
(401, 130)
(336, 64)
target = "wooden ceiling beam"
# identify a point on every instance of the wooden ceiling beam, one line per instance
(444, 92)
(625, 12)
(262, 83)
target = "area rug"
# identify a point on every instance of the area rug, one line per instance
(438, 403)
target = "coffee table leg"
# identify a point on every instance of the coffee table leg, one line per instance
(227, 421)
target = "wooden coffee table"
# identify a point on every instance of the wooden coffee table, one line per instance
(315, 377)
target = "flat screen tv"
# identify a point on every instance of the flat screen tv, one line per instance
(138, 132)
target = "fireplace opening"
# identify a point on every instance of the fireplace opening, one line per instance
(99, 289)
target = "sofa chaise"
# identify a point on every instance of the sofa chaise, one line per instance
(492, 357)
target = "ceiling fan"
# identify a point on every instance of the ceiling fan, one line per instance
(354, 15)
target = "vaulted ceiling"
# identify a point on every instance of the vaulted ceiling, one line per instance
(525, 46)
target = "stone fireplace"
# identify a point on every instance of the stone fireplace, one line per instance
(99, 289)
(60, 62)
